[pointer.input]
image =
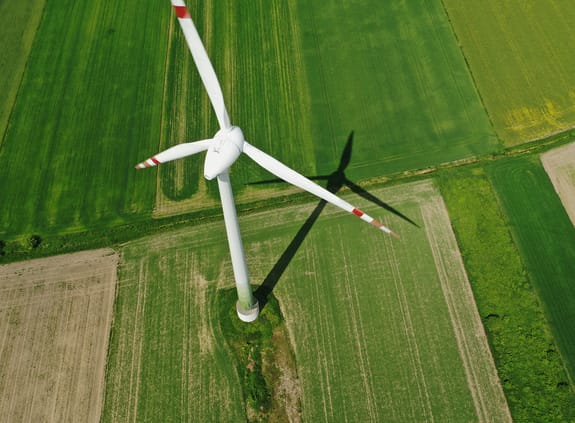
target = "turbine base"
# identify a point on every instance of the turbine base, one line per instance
(248, 315)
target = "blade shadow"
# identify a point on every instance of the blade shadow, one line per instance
(335, 181)
(263, 291)
(338, 179)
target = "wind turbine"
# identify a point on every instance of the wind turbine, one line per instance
(222, 151)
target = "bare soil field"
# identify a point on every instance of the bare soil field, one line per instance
(560, 166)
(55, 316)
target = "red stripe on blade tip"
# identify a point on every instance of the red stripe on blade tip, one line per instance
(357, 212)
(155, 160)
(181, 12)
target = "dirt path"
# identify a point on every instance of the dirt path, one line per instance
(560, 166)
(55, 316)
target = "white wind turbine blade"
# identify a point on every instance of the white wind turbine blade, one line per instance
(289, 175)
(203, 63)
(176, 152)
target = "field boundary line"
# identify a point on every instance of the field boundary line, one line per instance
(53, 367)
(483, 382)
(24, 68)
(358, 330)
(415, 355)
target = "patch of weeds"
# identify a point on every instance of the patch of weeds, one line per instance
(261, 359)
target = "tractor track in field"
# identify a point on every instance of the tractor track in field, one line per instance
(468, 329)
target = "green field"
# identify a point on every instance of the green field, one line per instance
(381, 329)
(393, 73)
(347, 314)
(312, 86)
(81, 120)
(528, 362)
(298, 88)
(544, 235)
(520, 54)
(18, 24)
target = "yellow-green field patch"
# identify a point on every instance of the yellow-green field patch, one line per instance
(520, 54)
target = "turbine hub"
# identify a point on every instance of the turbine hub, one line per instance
(226, 147)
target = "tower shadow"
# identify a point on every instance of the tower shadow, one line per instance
(335, 181)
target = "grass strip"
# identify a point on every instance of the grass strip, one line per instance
(260, 349)
(529, 364)
(544, 236)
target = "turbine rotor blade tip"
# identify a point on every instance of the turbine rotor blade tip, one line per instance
(147, 163)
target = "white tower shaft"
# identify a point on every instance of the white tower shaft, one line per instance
(247, 306)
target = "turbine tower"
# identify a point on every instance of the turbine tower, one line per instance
(222, 151)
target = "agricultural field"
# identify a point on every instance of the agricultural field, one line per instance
(529, 363)
(18, 25)
(80, 120)
(348, 310)
(55, 317)
(350, 93)
(393, 72)
(559, 164)
(306, 87)
(544, 236)
(520, 55)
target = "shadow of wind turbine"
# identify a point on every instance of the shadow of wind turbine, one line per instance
(338, 179)
(335, 181)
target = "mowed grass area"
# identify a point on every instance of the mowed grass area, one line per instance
(89, 103)
(385, 332)
(18, 24)
(520, 54)
(545, 237)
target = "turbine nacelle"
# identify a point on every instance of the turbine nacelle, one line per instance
(224, 150)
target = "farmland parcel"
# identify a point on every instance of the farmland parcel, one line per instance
(299, 84)
(99, 94)
(18, 24)
(560, 166)
(55, 317)
(389, 332)
(393, 72)
(80, 119)
(520, 54)
(528, 362)
(544, 235)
